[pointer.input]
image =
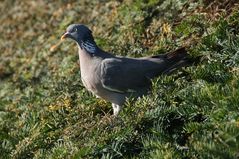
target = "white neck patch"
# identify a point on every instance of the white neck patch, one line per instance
(89, 47)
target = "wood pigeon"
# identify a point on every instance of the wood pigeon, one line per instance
(115, 78)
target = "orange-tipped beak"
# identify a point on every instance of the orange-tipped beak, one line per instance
(66, 35)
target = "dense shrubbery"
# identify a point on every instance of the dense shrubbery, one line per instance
(45, 112)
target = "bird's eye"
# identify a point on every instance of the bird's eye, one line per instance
(75, 29)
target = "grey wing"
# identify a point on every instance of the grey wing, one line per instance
(123, 75)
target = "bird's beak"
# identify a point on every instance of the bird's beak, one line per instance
(65, 35)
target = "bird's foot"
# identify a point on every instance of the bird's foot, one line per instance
(116, 109)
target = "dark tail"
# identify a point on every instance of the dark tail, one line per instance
(177, 59)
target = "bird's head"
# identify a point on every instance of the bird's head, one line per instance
(78, 33)
(83, 36)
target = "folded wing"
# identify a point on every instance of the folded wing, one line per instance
(127, 74)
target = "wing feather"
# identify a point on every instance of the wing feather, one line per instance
(124, 75)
